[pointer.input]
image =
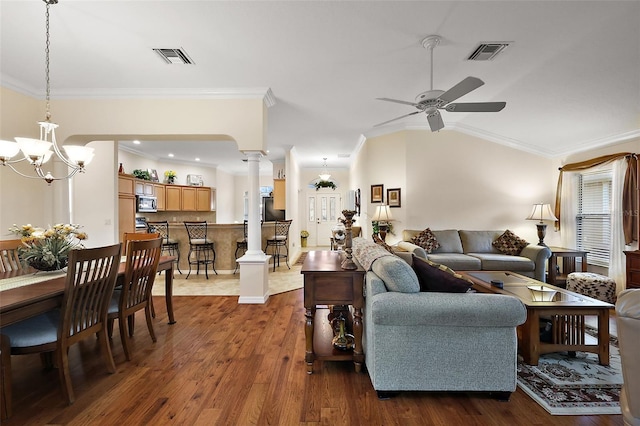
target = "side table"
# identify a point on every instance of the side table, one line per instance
(326, 283)
(568, 264)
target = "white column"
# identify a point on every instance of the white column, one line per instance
(254, 265)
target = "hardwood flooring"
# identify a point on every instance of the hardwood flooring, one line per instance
(229, 364)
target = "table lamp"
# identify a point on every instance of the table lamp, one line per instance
(383, 217)
(542, 212)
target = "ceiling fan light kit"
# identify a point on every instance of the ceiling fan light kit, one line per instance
(432, 101)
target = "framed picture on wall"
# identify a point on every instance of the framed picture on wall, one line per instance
(154, 175)
(377, 193)
(393, 197)
(358, 202)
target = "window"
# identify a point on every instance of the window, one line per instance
(593, 222)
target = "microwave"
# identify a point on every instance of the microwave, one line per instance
(145, 204)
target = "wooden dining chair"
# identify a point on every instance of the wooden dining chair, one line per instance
(9, 258)
(135, 293)
(91, 277)
(136, 236)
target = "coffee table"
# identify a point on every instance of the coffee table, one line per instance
(566, 311)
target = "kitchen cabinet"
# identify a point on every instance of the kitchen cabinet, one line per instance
(159, 192)
(125, 185)
(126, 214)
(279, 194)
(145, 188)
(173, 198)
(203, 199)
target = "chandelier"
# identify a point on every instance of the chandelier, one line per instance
(325, 175)
(38, 151)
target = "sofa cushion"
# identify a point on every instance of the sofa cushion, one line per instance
(456, 261)
(509, 243)
(396, 274)
(426, 240)
(479, 241)
(440, 278)
(504, 262)
(449, 241)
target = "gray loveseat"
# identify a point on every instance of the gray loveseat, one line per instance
(428, 341)
(473, 251)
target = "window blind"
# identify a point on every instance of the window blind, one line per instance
(593, 221)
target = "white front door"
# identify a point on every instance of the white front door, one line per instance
(324, 207)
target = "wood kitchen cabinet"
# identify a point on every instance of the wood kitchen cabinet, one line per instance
(196, 199)
(279, 194)
(159, 192)
(145, 188)
(126, 214)
(173, 198)
(126, 185)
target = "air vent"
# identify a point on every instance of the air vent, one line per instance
(174, 56)
(487, 51)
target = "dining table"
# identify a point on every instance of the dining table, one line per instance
(26, 292)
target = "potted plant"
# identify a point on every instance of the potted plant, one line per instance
(171, 176)
(141, 174)
(48, 249)
(303, 238)
(325, 184)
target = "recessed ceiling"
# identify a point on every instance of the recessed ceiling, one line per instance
(570, 78)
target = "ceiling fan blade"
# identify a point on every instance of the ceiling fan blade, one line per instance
(435, 121)
(398, 101)
(398, 118)
(461, 89)
(476, 107)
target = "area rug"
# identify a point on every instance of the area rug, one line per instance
(301, 259)
(574, 386)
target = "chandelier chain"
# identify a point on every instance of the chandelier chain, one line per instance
(46, 67)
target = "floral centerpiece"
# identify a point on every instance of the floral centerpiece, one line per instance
(170, 175)
(48, 249)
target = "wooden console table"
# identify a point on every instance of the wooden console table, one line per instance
(325, 284)
(568, 264)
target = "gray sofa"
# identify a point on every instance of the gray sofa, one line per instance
(463, 250)
(428, 341)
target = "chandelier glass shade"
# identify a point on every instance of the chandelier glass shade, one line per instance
(39, 151)
(325, 175)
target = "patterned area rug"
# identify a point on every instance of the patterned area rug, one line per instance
(574, 386)
(301, 259)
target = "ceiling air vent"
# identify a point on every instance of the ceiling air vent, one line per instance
(487, 51)
(174, 56)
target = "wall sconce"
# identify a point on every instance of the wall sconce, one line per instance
(540, 293)
(542, 212)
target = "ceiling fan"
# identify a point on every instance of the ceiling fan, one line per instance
(431, 101)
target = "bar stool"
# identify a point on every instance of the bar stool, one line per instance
(201, 247)
(241, 244)
(279, 239)
(170, 246)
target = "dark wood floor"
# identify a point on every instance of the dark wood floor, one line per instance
(229, 364)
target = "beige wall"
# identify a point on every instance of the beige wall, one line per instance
(450, 180)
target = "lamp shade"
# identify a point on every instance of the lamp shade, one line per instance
(542, 212)
(382, 214)
(8, 149)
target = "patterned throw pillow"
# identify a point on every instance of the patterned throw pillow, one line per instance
(509, 243)
(440, 278)
(426, 240)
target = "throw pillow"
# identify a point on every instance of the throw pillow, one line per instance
(396, 274)
(379, 241)
(509, 243)
(426, 240)
(435, 277)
